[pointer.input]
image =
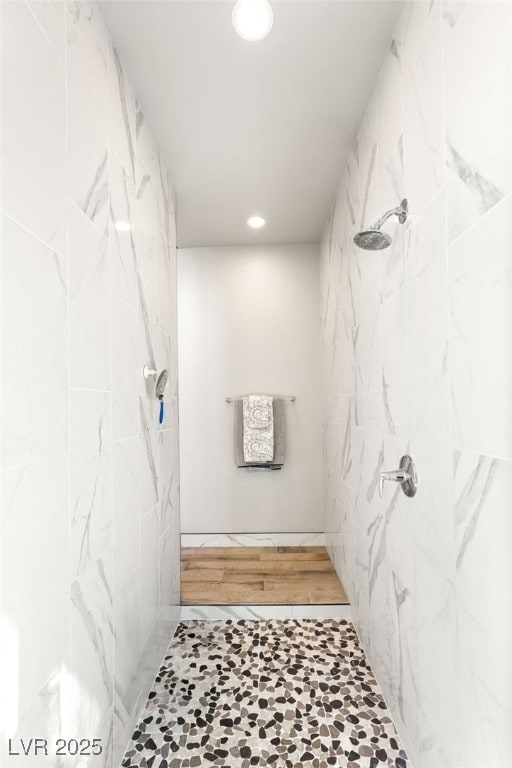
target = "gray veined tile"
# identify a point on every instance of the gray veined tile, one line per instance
(399, 517)
(361, 579)
(482, 488)
(412, 23)
(483, 693)
(379, 625)
(105, 733)
(35, 359)
(125, 370)
(252, 539)
(151, 657)
(452, 10)
(369, 349)
(175, 472)
(352, 186)
(429, 753)
(169, 621)
(150, 572)
(423, 116)
(478, 151)
(368, 507)
(33, 128)
(368, 170)
(402, 681)
(150, 164)
(148, 452)
(48, 715)
(236, 612)
(90, 478)
(427, 278)
(92, 645)
(169, 564)
(125, 499)
(490, 743)
(395, 373)
(89, 313)
(147, 237)
(127, 661)
(391, 192)
(35, 522)
(431, 448)
(165, 201)
(122, 114)
(435, 620)
(389, 104)
(89, 303)
(167, 514)
(165, 263)
(480, 304)
(123, 257)
(351, 290)
(51, 17)
(87, 24)
(146, 147)
(87, 134)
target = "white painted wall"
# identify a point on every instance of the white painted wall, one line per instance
(249, 321)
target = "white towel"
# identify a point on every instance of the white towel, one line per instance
(258, 411)
(258, 418)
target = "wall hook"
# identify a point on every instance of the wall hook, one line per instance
(148, 372)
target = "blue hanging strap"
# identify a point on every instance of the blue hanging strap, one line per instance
(161, 416)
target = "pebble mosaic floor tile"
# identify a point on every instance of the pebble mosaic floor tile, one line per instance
(285, 694)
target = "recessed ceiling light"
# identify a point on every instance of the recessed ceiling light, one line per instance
(256, 222)
(252, 19)
(123, 226)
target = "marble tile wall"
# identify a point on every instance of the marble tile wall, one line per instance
(252, 539)
(89, 480)
(237, 612)
(417, 358)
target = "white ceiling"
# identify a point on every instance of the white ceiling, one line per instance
(253, 128)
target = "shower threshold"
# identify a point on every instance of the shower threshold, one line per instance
(259, 576)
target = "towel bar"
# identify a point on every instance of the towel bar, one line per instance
(290, 398)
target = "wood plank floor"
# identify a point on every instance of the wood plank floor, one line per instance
(259, 576)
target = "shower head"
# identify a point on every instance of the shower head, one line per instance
(374, 239)
(161, 384)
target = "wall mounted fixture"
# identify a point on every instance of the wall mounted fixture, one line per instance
(406, 475)
(288, 398)
(252, 19)
(374, 239)
(148, 372)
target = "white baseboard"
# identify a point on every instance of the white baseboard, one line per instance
(253, 539)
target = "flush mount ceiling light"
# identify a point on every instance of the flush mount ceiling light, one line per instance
(256, 222)
(252, 19)
(122, 226)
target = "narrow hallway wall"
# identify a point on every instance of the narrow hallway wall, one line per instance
(249, 322)
(417, 359)
(90, 484)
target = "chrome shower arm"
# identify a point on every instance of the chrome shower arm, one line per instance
(400, 211)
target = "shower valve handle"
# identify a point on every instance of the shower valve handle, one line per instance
(396, 475)
(406, 476)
